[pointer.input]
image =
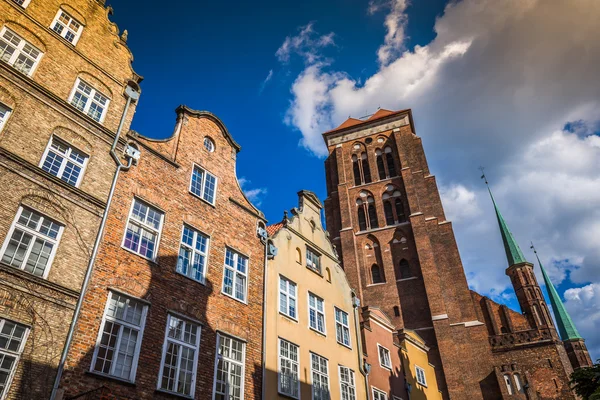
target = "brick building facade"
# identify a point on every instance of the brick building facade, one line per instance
(179, 276)
(385, 215)
(63, 70)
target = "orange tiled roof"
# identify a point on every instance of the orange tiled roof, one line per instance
(381, 113)
(272, 229)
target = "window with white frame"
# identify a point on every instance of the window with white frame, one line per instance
(229, 369)
(64, 161)
(287, 297)
(22, 3)
(204, 184)
(348, 387)
(384, 357)
(12, 342)
(143, 229)
(420, 372)
(316, 313)
(67, 27)
(320, 377)
(89, 100)
(313, 260)
(31, 242)
(18, 53)
(180, 356)
(378, 394)
(235, 275)
(4, 114)
(209, 145)
(289, 370)
(118, 344)
(342, 327)
(193, 253)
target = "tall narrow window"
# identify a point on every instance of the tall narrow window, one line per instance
(380, 165)
(362, 219)
(180, 356)
(118, 345)
(366, 170)
(376, 274)
(373, 223)
(518, 385)
(420, 372)
(18, 53)
(67, 27)
(536, 314)
(389, 213)
(289, 369)
(31, 242)
(316, 313)
(379, 395)
(193, 252)
(404, 269)
(313, 260)
(229, 368)
(235, 276)
(356, 171)
(400, 210)
(143, 229)
(64, 161)
(384, 357)
(389, 157)
(320, 377)
(89, 101)
(287, 297)
(508, 384)
(342, 327)
(4, 114)
(348, 387)
(12, 342)
(204, 184)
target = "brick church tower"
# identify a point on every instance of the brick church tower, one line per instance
(385, 216)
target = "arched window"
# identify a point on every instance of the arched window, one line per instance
(518, 385)
(547, 315)
(362, 220)
(400, 210)
(396, 311)
(373, 216)
(404, 268)
(376, 274)
(356, 170)
(298, 256)
(365, 168)
(508, 384)
(380, 165)
(536, 314)
(328, 274)
(389, 214)
(389, 157)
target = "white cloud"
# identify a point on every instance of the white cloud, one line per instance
(266, 81)
(395, 22)
(307, 43)
(460, 203)
(255, 195)
(583, 304)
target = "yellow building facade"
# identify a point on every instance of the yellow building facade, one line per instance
(312, 348)
(419, 373)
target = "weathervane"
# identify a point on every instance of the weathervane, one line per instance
(483, 175)
(533, 247)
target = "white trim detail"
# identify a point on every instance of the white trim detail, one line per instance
(90, 101)
(228, 364)
(5, 112)
(15, 335)
(385, 357)
(288, 357)
(68, 159)
(439, 317)
(66, 26)
(19, 53)
(143, 227)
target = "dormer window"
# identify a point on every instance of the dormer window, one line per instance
(204, 184)
(67, 27)
(18, 53)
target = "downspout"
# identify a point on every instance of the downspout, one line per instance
(362, 365)
(132, 95)
(264, 311)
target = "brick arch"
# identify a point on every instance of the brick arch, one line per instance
(150, 196)
(73, 138)
(47, 204)
(372, 255)
(96, 83)
(358, 147)
(74, 13)
(27, 34)
(7, 98)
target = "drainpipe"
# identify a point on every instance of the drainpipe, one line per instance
(132, 156)
(264, 311)
(363, 366)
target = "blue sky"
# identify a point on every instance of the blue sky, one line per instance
(510, 85)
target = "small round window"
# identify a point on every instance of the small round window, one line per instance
(209, 144)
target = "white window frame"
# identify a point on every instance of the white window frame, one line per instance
(280, 358)
(351, 384)
(180, 343)
(195, 253)
(122, 324)
(312, 371)
(145, 226)
(16, 354)
(379, 394)
(24, 5)
(236, 255)
(317, 312)
(381, 362)
(288, 284)
(35, 234)
(67, 29)
(423, 381)
(7, 113)
(66, 157)
(310, 254)
(344, 327)
(200, 195)
(18, 49)
(90, 100)
(230, 360)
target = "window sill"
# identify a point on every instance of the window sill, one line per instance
(315, 271)
(153, 261)
(202, 282)
(287, 396)
(100, 375)
(391, 178)
(204, 200)
(382, 228)
(386, 367)
(345, 345)
(376, 284)
(173, 394)
(234, 298)
(288, 317)
(406, 279)
(324, 334)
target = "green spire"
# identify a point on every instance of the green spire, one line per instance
(566, 327)
(512, 249)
